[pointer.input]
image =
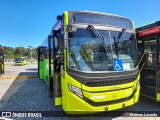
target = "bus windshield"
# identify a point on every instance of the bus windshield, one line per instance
(86, 54)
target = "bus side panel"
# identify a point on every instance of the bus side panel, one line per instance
(41, 70)
(46, 71)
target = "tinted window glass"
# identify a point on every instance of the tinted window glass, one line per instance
(18, 59)
(101, 19)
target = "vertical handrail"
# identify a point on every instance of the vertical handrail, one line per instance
(140, 62)
(141, 58)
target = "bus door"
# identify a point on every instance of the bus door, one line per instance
(51, 65)
(158, 68)
(56, 70)
(150, 70)
(40, 63)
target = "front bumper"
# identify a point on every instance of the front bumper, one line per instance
(77, 105)
(18, 63)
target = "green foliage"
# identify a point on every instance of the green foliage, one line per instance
(11, 53)
(20, 51)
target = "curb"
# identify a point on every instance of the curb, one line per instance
(17, 77)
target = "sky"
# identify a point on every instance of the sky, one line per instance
(28, 22)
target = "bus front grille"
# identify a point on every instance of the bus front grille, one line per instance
(110, 102)
(109, 82)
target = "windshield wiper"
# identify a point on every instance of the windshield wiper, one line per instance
(115, 44)
(121, 35)
(96, 34)
(118, 41)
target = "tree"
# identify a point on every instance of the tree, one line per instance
(35, 51)
(20, 51)
(9, 52)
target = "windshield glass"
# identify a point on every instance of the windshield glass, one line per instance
(18, 59)
(86, 54)
(126, 48)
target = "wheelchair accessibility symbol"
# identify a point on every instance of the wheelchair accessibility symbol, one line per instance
(118, 65)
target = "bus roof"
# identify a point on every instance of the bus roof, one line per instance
(98, 18)
(100, 13)
(144, 27)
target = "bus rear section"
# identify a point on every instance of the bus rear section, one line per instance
(92, 67)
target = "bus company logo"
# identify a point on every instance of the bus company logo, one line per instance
(98, 97)
(114, 95)
(114, 88)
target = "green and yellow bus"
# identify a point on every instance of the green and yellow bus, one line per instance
(90, 62)
(20, 61)
(1, 60)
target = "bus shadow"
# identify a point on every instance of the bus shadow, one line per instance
(31, 74)
(26, 94)
(32, 69)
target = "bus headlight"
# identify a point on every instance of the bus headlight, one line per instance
(76, 90)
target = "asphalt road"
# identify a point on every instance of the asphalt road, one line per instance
(31, 94)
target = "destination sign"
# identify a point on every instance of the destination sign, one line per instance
(102, 19)
(149, 31)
